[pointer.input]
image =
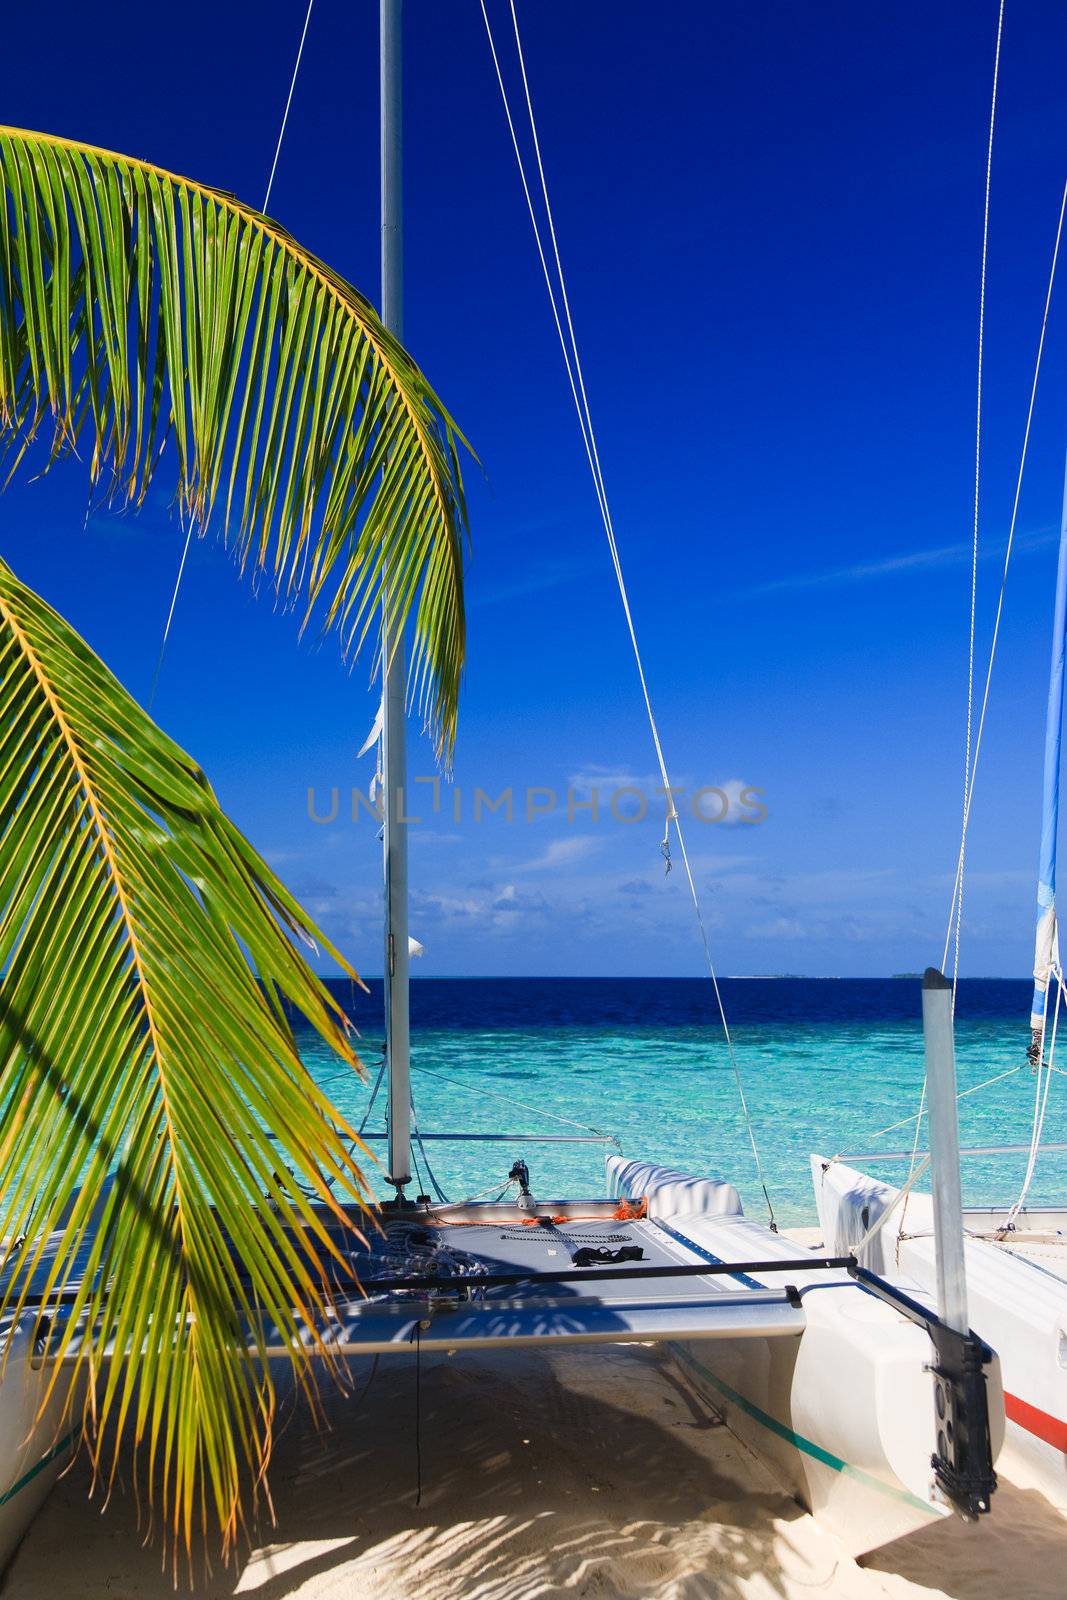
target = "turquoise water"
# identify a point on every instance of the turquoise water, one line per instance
(825, 1065)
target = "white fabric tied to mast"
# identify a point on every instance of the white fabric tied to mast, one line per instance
(376, 730)
(575, 377)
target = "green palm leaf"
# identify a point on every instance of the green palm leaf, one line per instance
(152, 1101)
(138, 308)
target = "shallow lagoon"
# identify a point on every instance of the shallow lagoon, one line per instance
(825, 1064)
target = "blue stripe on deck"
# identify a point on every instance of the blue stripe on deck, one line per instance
(706, 1255)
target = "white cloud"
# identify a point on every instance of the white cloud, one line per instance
(949, 555)
(724, 809)
(605, 780)
(734, 803)
(561, 853)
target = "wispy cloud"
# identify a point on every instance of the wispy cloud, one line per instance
(549, 573)
(949, 555)
(721, 803)
(606, 780)
(561, 853)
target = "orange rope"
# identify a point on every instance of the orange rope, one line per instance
(625, 1211)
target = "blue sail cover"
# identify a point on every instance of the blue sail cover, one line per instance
(1046, 952)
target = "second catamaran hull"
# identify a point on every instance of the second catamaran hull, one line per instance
(1017, 1303)
(843, 1412)
(35, 1443)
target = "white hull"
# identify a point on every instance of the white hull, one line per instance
(1017, 1304)
(34, 1446)
(843, 1412)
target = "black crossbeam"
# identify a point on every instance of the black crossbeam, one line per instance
(703, 1269)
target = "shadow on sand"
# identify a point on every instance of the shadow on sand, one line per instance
(588, 1472)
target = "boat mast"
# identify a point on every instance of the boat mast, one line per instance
(1046, 952)
(945, 1150)
(394, 719)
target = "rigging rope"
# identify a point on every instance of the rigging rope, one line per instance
(1007, 560)
(971, 761)
(438, 1191)
(967, 775)
(962, 1095)
(857, 1248)
(373, 1095)
(575, 377)
(288, 103)
(170, 619)
(266, 202)
(956, 888)
(509, 1099)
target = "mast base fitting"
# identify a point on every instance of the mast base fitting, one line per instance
(400, 1201)
(963, 1460)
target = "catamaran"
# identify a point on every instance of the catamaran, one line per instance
(1015, 1257)
(1016, 1253)
(878, 1407)
(846, 1390)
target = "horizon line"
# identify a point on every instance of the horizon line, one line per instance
(671, 977)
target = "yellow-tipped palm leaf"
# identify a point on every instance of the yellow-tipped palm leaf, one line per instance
(139, 309)
(152, 1100)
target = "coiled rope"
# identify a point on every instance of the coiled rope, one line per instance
(575, 377)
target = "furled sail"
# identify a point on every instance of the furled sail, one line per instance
(1047, 948)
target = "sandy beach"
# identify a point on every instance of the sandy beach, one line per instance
(590, 1472)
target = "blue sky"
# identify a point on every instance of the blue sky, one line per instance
(770, 216)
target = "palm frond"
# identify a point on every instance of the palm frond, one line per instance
(138, 309)
(152, 1100)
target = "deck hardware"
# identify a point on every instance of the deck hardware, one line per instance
(963, 1460)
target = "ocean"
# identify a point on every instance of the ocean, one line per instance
(825, 1063)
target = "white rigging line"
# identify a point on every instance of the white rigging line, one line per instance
(484, 1092)
(572, 362)
(956, 907)
(170, 619)
(905, 1122)
(957, 887)
(956, 904)
(1007, 559)
(967, 773)
(288, 103)
(263, 207)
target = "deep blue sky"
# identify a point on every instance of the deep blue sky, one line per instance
(771, 219)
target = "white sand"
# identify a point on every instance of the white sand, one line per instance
(589, 1472)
